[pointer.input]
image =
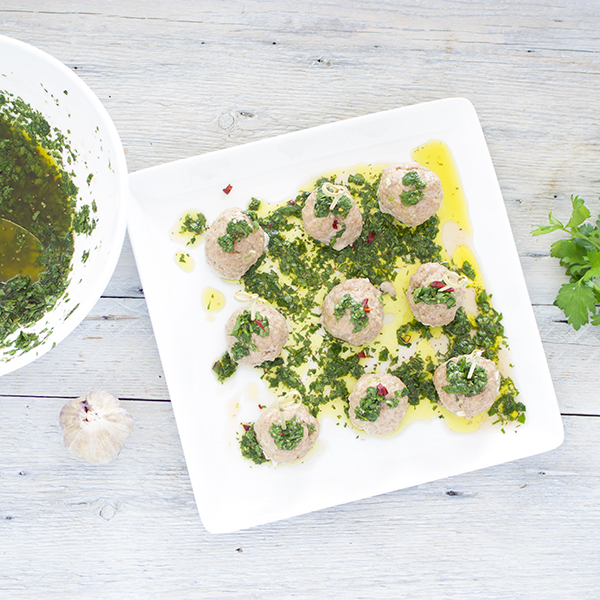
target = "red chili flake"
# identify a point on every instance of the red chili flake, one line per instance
(439, 285)
(406, 339)
(260, 406)
(362, 354)
(228, 189)
(246, 427)
(371, 237)
(366, 306)
(335, 224)
(381, 390)
(292, 202)
(260, 325)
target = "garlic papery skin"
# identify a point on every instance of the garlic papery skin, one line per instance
(95, 427)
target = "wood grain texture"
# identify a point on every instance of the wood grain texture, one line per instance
(190, 77)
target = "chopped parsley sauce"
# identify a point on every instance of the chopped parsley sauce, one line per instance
(237, 229)
(465, 378)
(289, 435)
(246, 326)
(369, 407)
(225, 367)
(412, 196)
(435, 293)
(249, 446)
(506, 407)
(38, 220)
(297, 273)
(359, 311)
(327, 202)
(196, 225)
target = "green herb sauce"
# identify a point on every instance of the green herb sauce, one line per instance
(414, 196)
(324, 201)
(506, 407)
(236, 230)
(369, 407)
(430, 294)
(247, 325)
(225, 367)
(37, 221)
(250, 447)
(287, 436)
(417, 376)
(465, 378)
(196, 225)
(296, 273)
(359, 316)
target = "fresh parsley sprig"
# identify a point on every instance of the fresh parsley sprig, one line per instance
(580, 256)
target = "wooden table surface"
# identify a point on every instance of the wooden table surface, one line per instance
(188, 77)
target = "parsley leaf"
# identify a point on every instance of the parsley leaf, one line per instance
(576, 300)
(579, 255)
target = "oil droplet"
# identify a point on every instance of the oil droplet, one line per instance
(425, 411)
(186, 238)
(185, 261)
(212, 300)
(461, 424)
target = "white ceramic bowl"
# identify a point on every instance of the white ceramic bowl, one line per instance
(68, 104)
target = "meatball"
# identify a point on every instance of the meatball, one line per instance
(233, 243)
(286, 432)
(435, 294)
(467, 385)
(353, 311)
(256, 334)
(330, 215)
(410, 193)
(376, 403)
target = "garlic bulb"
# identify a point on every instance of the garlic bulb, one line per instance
(95, 427)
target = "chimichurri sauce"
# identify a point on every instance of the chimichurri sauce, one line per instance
(37, 205)
(297, 272)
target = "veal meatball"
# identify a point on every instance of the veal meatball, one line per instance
(410, 193)
(256, 334)
(234, 242)
(330, 215)
(286, 432)
(467, 385)
(353, 311)
(435, 294)
(377, 405)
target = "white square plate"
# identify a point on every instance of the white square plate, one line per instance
(230, 491)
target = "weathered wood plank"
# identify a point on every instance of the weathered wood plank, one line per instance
(125, 282)
(113, 348)
(539, 66)
(131, 528)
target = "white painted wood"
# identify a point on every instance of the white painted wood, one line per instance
(114, 349)
(191, 77)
